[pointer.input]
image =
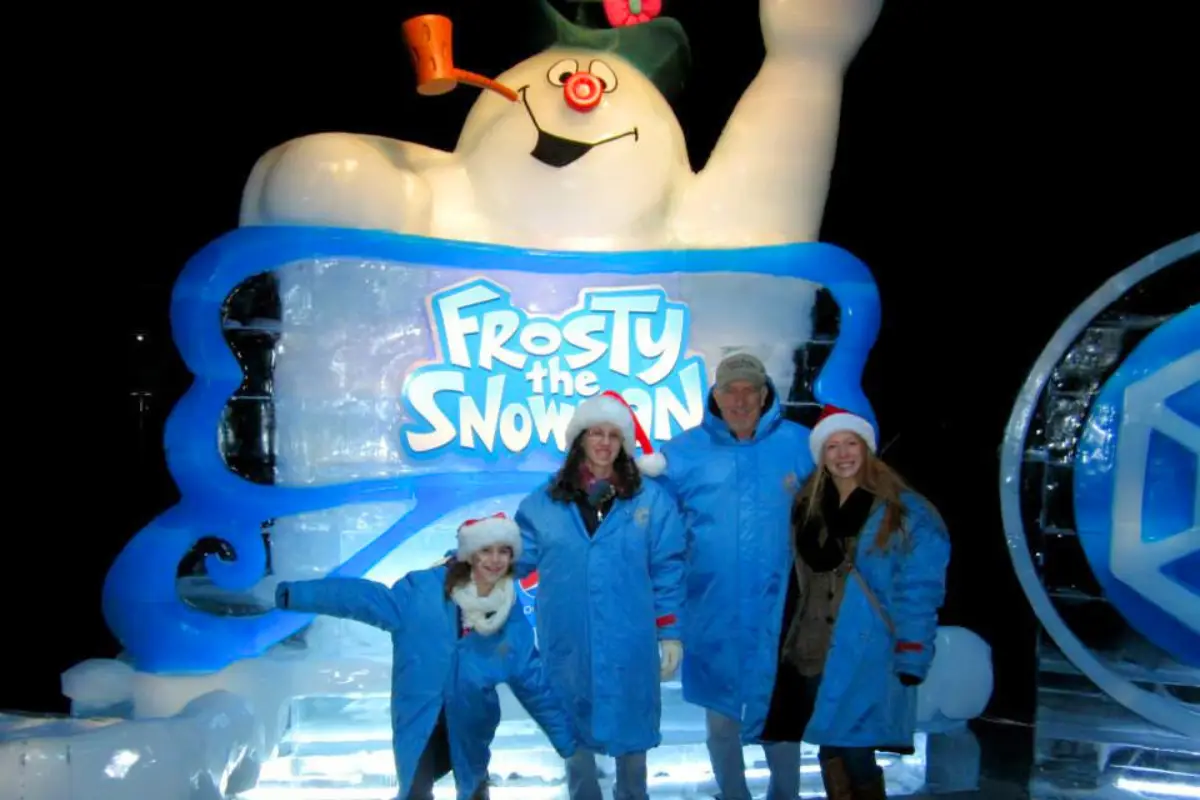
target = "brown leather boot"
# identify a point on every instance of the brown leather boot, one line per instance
(875, 790)
(837, 780)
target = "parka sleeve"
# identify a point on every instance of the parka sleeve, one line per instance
(668, 566)
(357, 599)
(530, 554)
(920, 588)
(527, 679)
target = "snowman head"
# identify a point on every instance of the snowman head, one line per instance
(590, 146)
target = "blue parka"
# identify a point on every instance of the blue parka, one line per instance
(603, 603)
(432, 667)
(736, 498)
(861, 701)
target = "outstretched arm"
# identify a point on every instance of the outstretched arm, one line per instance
(778, 145)
(358, 599)
(920, 590)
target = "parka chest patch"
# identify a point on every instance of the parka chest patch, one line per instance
(641, 517)
(791, 482)
(502, 649)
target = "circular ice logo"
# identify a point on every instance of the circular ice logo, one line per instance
(1137, 487)
(1146, 427)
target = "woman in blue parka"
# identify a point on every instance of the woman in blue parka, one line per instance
(608, 549)
(860, 615)
(454, 638)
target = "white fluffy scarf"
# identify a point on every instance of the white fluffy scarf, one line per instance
(485, 615)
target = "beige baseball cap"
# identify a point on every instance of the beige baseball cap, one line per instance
(741, 367)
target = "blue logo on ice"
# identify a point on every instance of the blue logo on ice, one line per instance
(507, 381)
(1137, 487)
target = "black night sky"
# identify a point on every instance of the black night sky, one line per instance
(997, 163)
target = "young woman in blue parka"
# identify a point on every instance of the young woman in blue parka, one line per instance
(860, 615)
(454, 638)
(608, 549)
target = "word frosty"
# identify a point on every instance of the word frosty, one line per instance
(506, 375)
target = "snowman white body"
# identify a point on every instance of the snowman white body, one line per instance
(765, 182)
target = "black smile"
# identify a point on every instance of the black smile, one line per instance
(558, 151)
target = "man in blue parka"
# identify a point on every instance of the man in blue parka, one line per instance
(454, 638)
(735, 477)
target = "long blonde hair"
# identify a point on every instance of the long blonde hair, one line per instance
(877, 478)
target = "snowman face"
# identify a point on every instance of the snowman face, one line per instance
(590, 146)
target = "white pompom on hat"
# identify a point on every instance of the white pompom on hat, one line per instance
(476, 534)
(611, 408)
(836, 420)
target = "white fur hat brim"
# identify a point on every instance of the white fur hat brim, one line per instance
(836, 423)
(599, 410)
(488, 531)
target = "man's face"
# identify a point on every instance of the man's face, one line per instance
(741, 405)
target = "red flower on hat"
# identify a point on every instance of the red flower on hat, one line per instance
(631, 12)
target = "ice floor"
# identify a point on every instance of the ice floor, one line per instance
(319, 751)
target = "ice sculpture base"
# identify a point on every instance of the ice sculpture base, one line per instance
(296, 724)
(1089, 746)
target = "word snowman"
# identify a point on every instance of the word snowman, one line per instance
(582, 152)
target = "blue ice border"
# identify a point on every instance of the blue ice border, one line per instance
(162, 633)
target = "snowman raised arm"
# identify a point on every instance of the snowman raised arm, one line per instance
(577, 147)
(768, 176)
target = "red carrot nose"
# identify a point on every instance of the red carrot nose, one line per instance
(583, 91)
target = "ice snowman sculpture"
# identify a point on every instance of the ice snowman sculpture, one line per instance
(442, 313)
(430, 321)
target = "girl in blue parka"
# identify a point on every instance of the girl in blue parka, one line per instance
(608, 549)
(454, 638)
(860, 614)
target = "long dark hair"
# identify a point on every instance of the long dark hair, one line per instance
(877, 478)
(627, 479)
(459, 573)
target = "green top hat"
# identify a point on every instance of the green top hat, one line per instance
(659, 48)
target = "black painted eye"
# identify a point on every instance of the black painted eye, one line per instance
(606, 75)
(561, 71)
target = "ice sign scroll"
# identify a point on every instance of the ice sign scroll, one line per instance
(404, 384)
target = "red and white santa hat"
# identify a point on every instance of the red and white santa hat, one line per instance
(610, 407)
(476, 534)
(836, 420)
